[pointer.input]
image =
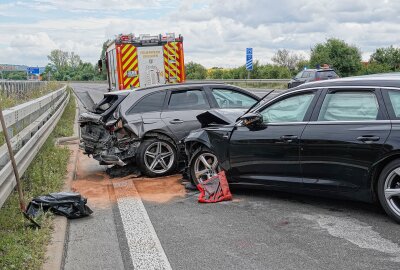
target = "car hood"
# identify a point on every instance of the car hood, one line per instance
(219, 117)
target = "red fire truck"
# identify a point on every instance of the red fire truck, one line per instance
(145, 60)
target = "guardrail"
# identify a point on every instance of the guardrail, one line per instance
(19, 87)
(29, 125)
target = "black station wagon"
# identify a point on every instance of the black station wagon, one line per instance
(337, 137)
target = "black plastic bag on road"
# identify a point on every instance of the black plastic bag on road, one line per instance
(71, 205)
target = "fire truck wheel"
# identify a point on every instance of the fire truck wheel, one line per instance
(156, 157)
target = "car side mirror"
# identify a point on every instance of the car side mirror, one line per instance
(251, 119)
(100, 65)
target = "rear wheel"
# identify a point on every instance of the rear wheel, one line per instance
(389, 189)
(203, 165)
(156, 157)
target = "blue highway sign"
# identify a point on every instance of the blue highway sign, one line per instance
(249, 58)
(33, 70)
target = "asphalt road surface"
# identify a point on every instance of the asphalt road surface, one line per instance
(141, 223)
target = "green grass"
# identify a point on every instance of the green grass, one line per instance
(21, 246)
(13, 100)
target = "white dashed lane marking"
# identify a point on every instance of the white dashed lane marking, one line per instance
(144, 246)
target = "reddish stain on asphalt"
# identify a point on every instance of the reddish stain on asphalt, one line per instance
(93, 183)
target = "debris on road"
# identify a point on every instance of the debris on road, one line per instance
(214, 189)
(68, 204)
(118, 171)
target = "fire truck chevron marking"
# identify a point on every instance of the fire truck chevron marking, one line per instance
(128, 53)
(124, 48)
(130, 60)
(133, 66)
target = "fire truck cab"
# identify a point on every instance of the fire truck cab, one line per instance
(133, 62)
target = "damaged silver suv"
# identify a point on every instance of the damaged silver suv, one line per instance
(145, 127)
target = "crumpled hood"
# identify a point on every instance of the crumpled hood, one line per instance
(219, 117)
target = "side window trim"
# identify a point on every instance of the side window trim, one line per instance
(388, 103)
(382, 115)
(310, 109)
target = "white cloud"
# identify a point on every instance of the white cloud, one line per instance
(216, 33)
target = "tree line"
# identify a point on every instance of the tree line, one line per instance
(344, 58)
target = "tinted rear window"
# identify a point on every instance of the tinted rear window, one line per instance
(328, 74)
(150, 103)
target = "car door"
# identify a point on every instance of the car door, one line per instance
(147, 111)
(181, 110)
(268, 154)
(343, 139)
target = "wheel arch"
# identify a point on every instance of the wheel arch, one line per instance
(377, 169)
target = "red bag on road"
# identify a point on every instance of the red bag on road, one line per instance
(214, 189)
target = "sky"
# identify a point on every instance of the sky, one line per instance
(216, 32)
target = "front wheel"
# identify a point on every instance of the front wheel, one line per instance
(203, 165)
(389, 189)
(156, 157)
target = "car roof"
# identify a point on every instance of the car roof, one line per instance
(318, 70)
(162, 87)
(375, 80)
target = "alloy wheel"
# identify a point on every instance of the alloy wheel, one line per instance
(392, 190)
(205, 166)
(159, 157)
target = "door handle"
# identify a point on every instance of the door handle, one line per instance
(368, 138)
(289, 138)
(176, 121)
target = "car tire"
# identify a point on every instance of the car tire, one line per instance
(156, 157)
(388, 185)
(197, 164)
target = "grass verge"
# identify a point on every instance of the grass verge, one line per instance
(21, 246)
(14, 99)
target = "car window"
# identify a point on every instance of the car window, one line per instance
(394, 97)
(227, 98)
(291, 109)
(188, 100)
(298, 76)
(328, 74)
(150, 103)
(306, 74)
(349, 106)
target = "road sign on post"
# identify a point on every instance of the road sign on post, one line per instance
(249, 58)
(33, 70)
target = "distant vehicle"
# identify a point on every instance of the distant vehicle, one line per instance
(310, 75)
(147, 126)
(337, 138)
(133, 62)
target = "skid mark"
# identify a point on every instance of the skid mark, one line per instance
(357, 233)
